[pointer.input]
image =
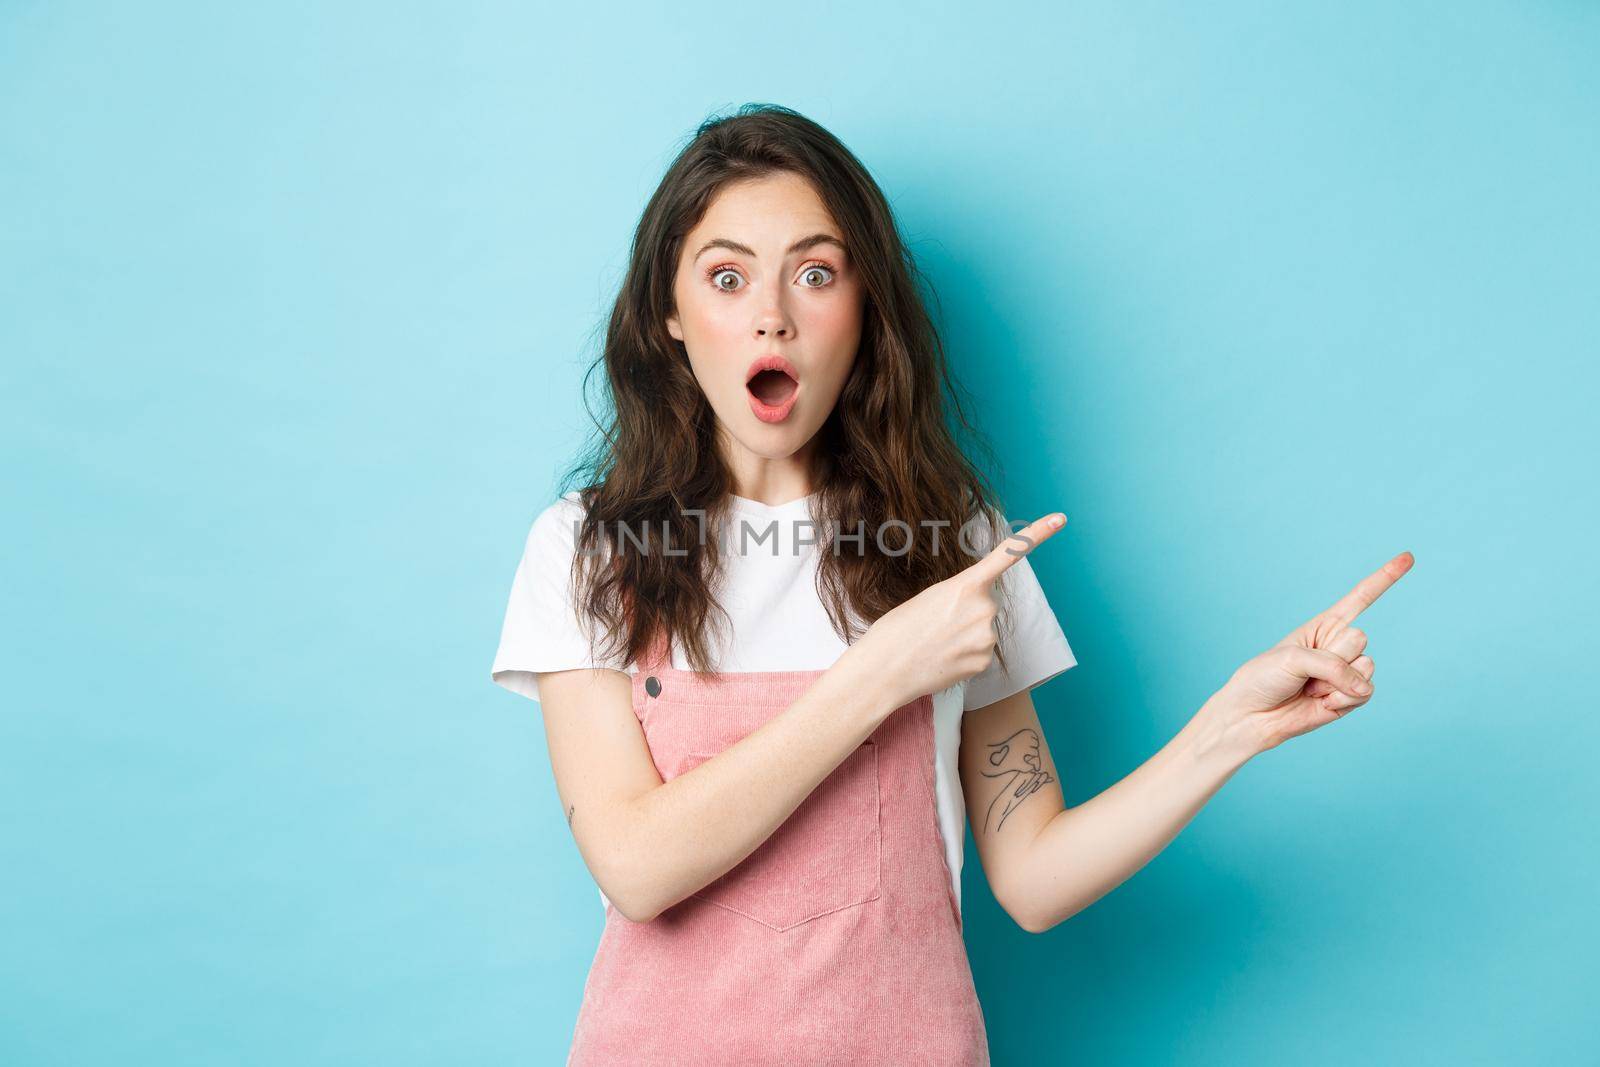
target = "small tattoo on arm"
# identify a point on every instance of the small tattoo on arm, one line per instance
(1015, 762)
(570, 810)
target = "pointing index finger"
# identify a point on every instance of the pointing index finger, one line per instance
(1015, 546)
(1370, 589)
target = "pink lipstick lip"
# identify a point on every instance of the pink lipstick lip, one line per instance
(772, 361)
(772, 412)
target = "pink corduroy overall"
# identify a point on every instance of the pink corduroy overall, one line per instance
(837, 941)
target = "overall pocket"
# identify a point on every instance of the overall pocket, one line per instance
(824, 858)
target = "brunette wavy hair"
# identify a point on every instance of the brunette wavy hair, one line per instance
(888, 451)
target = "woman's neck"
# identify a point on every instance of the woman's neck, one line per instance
(771, 481)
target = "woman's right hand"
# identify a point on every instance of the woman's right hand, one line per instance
(946, 633)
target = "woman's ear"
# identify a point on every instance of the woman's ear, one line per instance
(673, 328)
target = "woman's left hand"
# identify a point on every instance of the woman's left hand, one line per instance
(1316, 674)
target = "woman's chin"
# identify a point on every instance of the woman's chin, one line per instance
(770, 440)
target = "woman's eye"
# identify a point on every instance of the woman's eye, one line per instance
(813, 277)
(818, 269)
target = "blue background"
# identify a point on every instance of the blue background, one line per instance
(294, 304)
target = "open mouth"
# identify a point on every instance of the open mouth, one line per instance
(772, 387)
(773, 384)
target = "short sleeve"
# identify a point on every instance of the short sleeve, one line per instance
(1035, 647)
(541, 630)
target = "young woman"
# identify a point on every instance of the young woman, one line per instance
(784, 646)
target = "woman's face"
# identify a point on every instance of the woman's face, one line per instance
(765, 274)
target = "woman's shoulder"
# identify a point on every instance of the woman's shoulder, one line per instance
(560, 514)
(552, 536)
(568, 506)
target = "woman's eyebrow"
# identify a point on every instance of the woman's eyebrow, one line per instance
(744, 250)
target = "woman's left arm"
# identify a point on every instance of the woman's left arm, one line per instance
(1046, 862)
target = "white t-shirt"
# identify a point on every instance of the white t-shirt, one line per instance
(776, 622)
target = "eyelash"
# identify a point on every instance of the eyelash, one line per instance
(711, 275)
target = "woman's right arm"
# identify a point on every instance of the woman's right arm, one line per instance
(650, 844)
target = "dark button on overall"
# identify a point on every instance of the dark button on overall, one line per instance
(652, 685)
